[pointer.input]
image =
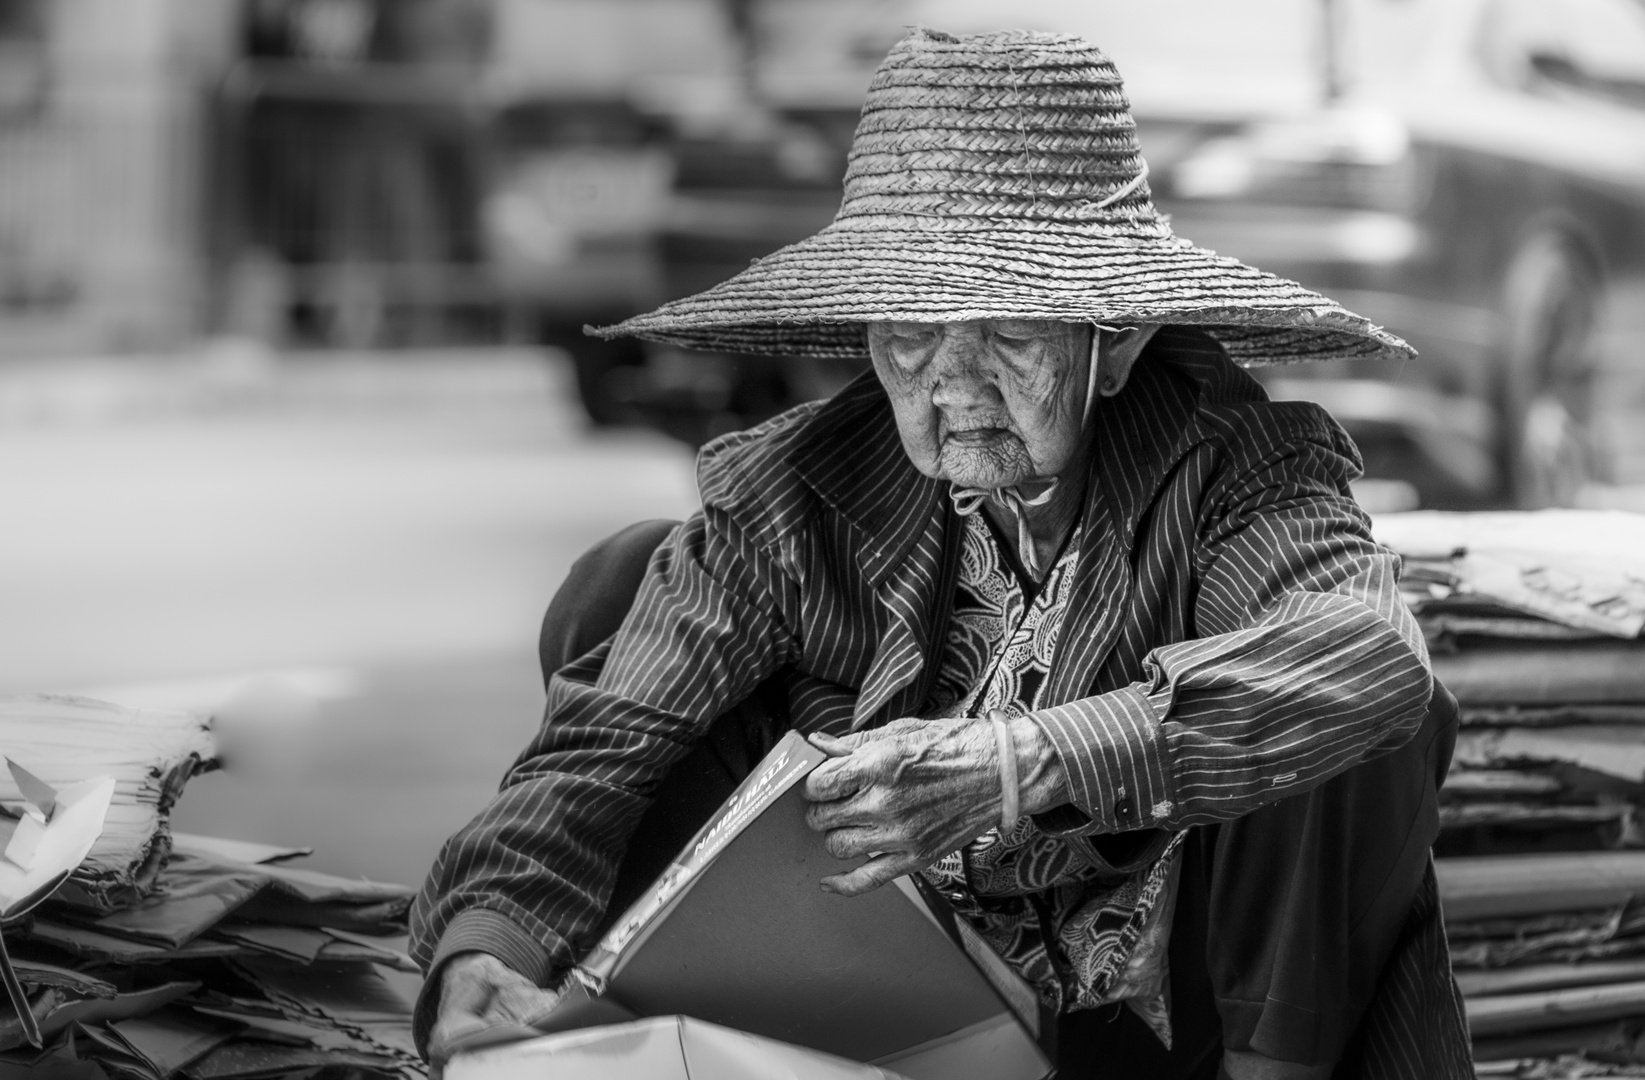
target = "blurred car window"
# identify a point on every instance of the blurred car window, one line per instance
(1590, 46)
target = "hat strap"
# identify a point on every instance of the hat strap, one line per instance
(968, 500)
(1130, 185)
(1091, 371)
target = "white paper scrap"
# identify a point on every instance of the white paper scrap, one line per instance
(60, 845)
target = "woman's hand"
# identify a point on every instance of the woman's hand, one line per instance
(478, 992)
(915, 790)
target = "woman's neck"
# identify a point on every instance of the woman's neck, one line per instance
(1050, 522)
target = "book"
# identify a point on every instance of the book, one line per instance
(738, 932)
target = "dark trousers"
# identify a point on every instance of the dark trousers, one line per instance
(1286, 918)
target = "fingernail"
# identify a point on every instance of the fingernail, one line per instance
(827, 888)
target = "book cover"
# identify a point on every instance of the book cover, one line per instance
(739, 932)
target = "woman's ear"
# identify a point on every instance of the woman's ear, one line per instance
(1118, 351)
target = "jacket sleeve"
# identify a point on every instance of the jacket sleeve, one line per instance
(528, 879)
(1306, 662)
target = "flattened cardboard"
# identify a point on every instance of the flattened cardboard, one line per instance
(300, 943)
(117, 950)
(659, 1048)
(257, 1060)
(203, 890)
(172, 1038)
(246, 851)
(355, 999)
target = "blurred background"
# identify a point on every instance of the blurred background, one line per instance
(298, 424)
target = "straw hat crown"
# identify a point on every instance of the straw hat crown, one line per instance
(999, 176)
(1010, 127)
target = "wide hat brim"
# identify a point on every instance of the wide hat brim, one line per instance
(999, 176)
(813, 298)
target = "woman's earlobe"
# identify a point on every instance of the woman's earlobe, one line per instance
(1119, 354)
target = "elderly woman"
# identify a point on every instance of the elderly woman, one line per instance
(1093, 633)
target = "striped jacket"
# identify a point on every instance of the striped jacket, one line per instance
(1236, 636)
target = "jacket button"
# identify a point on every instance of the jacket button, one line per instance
(1122, 808)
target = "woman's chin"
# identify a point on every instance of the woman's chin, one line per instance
(994, 463)
(973, 474)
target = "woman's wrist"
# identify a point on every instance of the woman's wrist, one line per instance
(1041, 782)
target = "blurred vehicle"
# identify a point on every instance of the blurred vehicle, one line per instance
(1487, 203)
(760, 171)
(588, 95)
(103, 154)
(739, 196)
(1491, 210)
(354, 139)
(578, 191)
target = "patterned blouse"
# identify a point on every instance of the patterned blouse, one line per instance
(1026, 892)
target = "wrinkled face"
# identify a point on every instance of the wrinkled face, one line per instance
(989, 403)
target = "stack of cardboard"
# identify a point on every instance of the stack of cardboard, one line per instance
(221, 960)
(150, 753)
(1534, 623)
(1549, 951)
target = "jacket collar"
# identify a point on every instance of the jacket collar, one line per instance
(1143, 431)
(1141, 434)
(851, 455)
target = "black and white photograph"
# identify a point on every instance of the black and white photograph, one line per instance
(822, 539)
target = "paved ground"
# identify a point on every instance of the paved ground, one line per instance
(350, 565)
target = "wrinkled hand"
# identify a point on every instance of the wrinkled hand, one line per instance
(907, 794)
(478, 992)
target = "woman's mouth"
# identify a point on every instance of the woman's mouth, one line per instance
(975, 436)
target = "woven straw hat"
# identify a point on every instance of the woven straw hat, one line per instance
(999, 176)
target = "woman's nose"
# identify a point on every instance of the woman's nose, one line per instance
(961, 374)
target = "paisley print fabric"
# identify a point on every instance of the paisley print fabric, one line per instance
(1025, 891)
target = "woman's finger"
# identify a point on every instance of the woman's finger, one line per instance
(869, 805)
(451, 1030)
(836, 778)
(854, 843)
(836, 745)
(468, 982)
(521, 1004)
(836, 814)
(872, 874)
(471, 987)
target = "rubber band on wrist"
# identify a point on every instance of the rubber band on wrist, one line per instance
(1010, 797)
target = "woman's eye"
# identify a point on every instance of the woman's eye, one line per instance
(1017, 332)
